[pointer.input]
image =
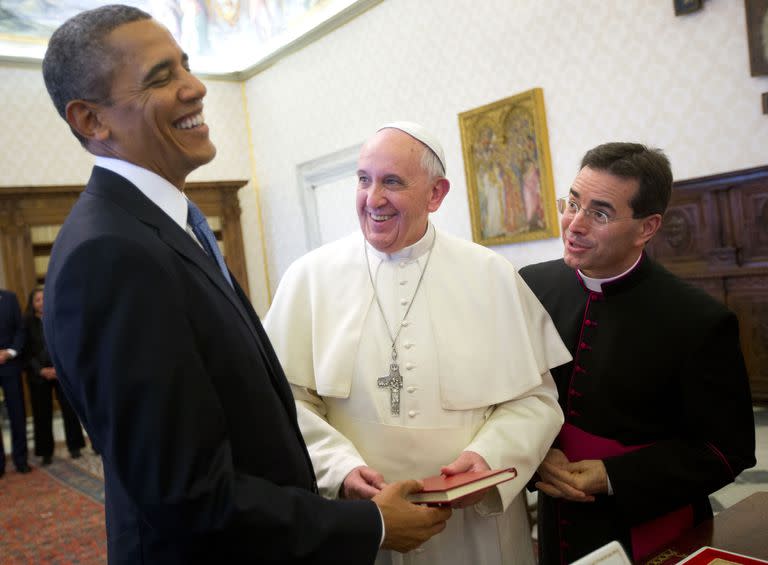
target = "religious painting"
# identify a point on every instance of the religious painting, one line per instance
(686, 6)
(757, 35)
(509, 170)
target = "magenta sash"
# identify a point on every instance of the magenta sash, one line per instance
(647, 537)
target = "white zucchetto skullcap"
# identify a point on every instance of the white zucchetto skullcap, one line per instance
(419, 132)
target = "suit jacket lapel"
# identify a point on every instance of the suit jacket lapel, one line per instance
(106, 184)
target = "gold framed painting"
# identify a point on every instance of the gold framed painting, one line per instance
(509, 170)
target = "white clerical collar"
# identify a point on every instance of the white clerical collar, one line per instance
(414, 251)
(162, 193)
(596, 285)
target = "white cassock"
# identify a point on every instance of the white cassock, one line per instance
(475, 352)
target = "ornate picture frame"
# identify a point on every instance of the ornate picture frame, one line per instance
(509, 170)
(757, 35)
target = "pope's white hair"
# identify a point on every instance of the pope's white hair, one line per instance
(431, 163)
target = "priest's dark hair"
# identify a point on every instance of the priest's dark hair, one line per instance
(79, 64)
(636, 161)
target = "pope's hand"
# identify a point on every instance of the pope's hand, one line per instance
(362, 483)
(408, 525)
(467, 461)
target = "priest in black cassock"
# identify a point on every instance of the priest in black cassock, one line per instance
(657, 404)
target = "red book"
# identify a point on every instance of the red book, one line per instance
(707, 555)
(442, 490)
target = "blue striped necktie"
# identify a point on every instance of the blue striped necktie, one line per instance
(205, 236)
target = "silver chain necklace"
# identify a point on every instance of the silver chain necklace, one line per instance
(394, 381)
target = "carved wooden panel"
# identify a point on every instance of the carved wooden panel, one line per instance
(714, 286)
(750, 204)
(688, 232)
(748, 298)
(715, 236)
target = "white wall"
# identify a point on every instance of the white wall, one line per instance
(610, 70)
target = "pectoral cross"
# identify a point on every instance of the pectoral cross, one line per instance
(394, 382)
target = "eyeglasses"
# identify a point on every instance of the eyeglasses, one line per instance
(569, 207)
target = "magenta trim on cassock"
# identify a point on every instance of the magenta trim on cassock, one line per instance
(649, 536)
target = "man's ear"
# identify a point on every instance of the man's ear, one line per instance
(439, 189)
(84, 117)
(649, 226)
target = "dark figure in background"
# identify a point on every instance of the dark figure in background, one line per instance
(156, 345)
(658, 413)
(42, 381)
(11, 345)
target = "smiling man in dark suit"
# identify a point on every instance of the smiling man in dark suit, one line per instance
(157, 347)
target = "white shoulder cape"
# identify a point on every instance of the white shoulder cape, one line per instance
(494, 338)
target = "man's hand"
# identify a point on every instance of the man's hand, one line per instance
(408, 525)
(578, 481)
(48, 373)
(4, 356)
(467, 461)
(588, 476)
(362, 483)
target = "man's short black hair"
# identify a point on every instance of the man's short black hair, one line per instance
(635, 161)
(79, 64)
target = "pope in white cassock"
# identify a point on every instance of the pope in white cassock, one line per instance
(412, 353)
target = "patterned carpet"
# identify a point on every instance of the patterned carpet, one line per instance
(53, 515)
(84, 474)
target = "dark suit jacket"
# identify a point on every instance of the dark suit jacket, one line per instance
(36, 355)
(657, 368)
(176, 383)
(11, 331)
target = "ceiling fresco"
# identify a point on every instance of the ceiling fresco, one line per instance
(220, 36)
